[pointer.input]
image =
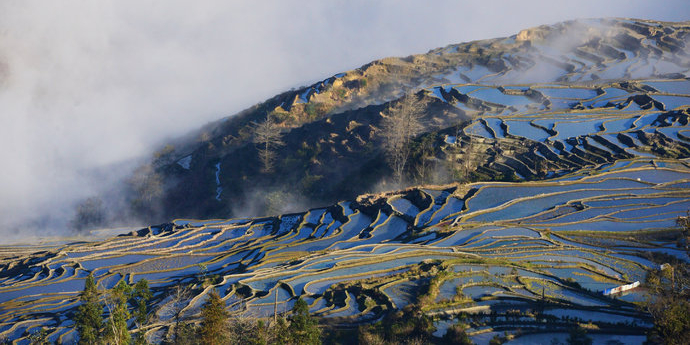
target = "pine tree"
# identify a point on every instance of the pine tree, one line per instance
(214, 320)
(116, 328)
(88, 317)
(303, 328)
(281, 332)
(141, 296)
(262, 335)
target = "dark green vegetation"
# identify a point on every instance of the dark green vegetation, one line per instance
(213, 319)
(546, 175)
(215, 326)
(88, 316)
(669, 301)
(89, 322)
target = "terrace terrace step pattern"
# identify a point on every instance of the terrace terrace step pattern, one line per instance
(534, 100)
(560, 127)
(603, 121)
(503, 242)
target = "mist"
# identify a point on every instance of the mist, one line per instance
(89, 89)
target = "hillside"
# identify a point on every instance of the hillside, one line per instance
(550, 166)
(506, 246)
(538, 82)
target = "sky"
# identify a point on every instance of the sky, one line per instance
(94, 85)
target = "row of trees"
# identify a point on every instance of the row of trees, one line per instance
(125, 305)
(89, 322)
(218, 328)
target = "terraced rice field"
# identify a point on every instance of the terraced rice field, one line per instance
(505, 246)
(546, 128)
(598, 136)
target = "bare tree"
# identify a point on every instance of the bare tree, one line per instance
(179, 299)
(402, 123)
(684, 238)
(267, 135)
(146, 188)
(468, 151)
(423, 168)
(89, 214)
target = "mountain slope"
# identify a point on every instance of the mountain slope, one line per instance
(333, 153)
(551, 167)
(498, 243)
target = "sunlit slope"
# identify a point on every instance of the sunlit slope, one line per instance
(532, 131)
(573, 52)
(355, 260)
(333, 133)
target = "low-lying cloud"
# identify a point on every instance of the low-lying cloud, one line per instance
(89, 87)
